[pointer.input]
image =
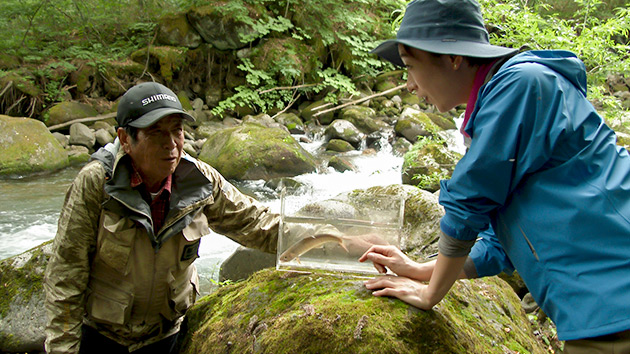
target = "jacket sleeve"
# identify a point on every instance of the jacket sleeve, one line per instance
(68, 269)
(240, 217)
(516, 130)
(487, 257)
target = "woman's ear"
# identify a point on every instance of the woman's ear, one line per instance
(456, 61)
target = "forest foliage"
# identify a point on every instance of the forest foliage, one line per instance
(48, 34)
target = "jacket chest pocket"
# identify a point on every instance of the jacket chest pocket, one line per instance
(115, 241)
(192, 233)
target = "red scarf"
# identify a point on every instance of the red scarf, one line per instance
(480, 79)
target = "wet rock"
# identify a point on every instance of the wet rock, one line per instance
(22, 315)
(104, 125)
(292, 122)
(341, 164)
(362, 118)
(344, 130)
(62, 139)
(78, 154)
(67, 111)
(252, 151)
(388, 81)
(338, 145)
(80, 134)
(528, 303)
(308, 112)
(401, 146)
(413, 124)
(27, 147)
(264, 120)
(103, 137)
(245, 262)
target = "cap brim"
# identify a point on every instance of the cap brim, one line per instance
(152, 117)
(388, 50)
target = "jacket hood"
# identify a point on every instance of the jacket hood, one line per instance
(561, 61)
(107, 157)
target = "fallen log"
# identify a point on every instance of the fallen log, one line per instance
(82, 120)
(360, 100)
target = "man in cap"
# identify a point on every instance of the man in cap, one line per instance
(543, 184)
(121, 275)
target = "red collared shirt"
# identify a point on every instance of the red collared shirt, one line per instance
(160, 200)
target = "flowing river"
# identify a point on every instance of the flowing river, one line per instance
(29, 207)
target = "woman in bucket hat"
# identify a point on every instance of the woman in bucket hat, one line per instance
(543, 188)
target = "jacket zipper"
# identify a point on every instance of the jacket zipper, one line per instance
(531, 247)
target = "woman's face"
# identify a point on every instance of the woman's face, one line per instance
(439, 80)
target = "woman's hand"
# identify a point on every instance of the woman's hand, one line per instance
(408, 290)
(384, 257)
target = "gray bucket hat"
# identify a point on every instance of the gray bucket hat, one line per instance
(452, 27)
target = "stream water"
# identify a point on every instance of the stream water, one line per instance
(29, 207)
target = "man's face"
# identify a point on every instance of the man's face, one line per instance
(157, 149)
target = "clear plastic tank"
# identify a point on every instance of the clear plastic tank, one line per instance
(332, 234)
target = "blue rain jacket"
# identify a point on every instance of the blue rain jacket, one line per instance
(544, 171)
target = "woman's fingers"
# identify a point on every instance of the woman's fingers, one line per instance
(405, 289)
(375, 249)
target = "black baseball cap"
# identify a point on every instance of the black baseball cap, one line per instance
(452, 27)
(146, 103)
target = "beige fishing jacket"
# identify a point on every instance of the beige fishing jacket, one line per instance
(110, 269)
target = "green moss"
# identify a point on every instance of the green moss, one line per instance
(22, 81)
(279, 312)
(169, 59)
(28, 147)
(20, 284)
(252, 151)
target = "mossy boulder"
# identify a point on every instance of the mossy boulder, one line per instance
(308, 112)
(22, 316)
(20, 82)
(252, 151)
(66, 111)
(362, 118)
(162, 59)
(289, 312)
(84, 77)
(344, 130)
(413, 124)
(426, 163)
(338, 145)
(421, 215)
(444, 121)
(27, 147)
(9, 62)
(175, 30)
(292, 122)
(225, 27)
(118, 76)
(388, 81)
(341, 164)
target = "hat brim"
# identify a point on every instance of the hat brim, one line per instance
(388, 50)
(152, 117)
